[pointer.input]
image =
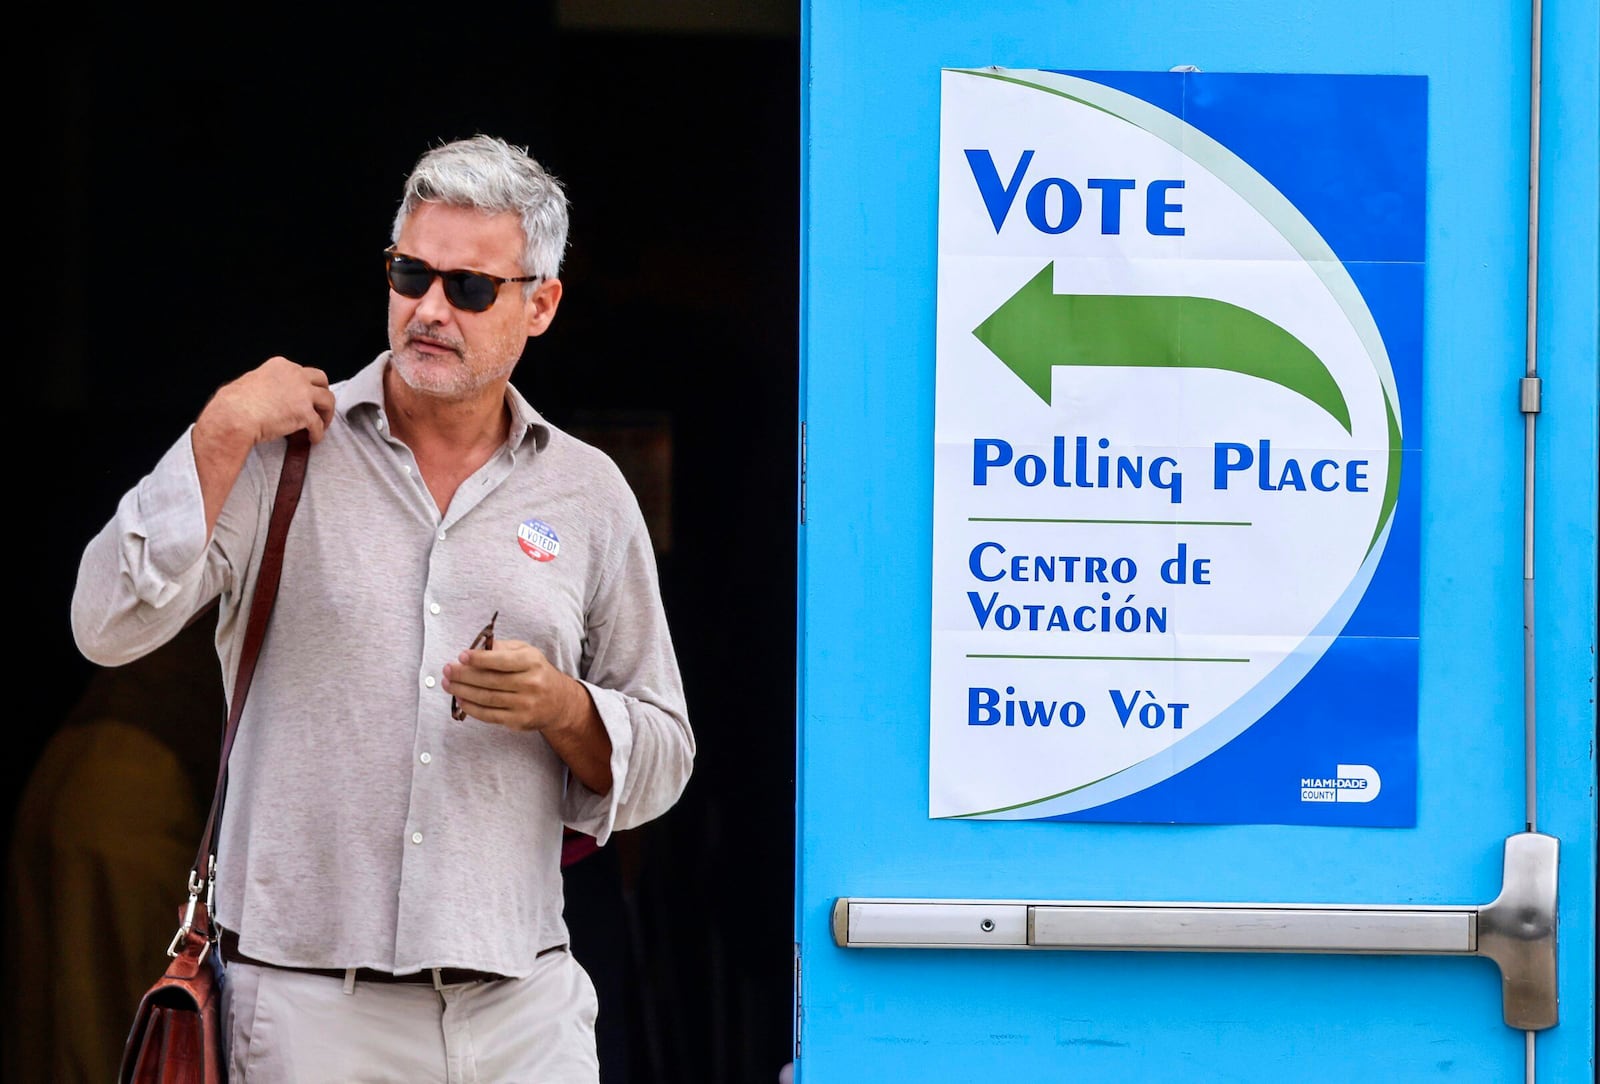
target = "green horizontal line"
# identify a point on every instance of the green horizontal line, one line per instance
(1109, 658)
(1146, 522)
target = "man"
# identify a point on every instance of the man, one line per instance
(388, 872)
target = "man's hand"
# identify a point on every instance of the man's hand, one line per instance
(514, 685)
(271, 401)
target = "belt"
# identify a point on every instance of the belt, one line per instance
(434, 976)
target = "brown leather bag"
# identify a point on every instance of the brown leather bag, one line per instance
(176, 1036)
(177, 1031)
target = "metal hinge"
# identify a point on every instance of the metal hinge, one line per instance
(802, 473)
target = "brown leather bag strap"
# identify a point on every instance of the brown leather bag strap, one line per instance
(283, 506)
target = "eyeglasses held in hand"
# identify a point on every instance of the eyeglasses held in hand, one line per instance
(485, 640)
(469, 291)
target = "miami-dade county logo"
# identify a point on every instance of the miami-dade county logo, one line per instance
(1352, 783)
(538, 540)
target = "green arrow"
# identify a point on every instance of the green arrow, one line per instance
(1037, 329)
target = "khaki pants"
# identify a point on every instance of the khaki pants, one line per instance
(289, 1027)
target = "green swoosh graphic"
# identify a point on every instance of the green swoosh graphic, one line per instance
(1036, 329)
(1260, 194)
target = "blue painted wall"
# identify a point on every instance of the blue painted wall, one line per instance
(870, 131)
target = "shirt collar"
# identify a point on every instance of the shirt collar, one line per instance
(363, 393)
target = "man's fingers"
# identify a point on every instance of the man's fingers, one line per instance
(506, 656)
(476, 698)
(322, 405)
(511, 684)
(479, 700)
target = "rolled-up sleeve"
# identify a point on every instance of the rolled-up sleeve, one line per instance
(151, 567)
(631, 672)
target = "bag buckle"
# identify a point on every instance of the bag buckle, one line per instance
(187, 922)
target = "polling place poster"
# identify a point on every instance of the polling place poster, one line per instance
(1176, 452)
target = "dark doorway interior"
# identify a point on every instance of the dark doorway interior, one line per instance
(203, 202)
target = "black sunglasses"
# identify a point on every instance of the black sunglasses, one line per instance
(469, 291)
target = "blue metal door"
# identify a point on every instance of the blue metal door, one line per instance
(1497, 754)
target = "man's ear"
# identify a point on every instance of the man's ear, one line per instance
(541, 306)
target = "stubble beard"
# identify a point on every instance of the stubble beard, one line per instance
(458, 375)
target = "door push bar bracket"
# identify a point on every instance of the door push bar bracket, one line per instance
(1517, 930)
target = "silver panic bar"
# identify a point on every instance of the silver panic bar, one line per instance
(1517, 931)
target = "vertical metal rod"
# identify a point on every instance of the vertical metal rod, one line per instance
(1529, 422)
(1530, 416)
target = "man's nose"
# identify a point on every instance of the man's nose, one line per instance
(433, 307)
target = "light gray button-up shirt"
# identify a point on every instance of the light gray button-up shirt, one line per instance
(364, 827)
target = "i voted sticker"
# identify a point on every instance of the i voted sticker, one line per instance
(538, 540)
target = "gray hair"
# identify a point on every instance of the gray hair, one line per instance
(490, 175)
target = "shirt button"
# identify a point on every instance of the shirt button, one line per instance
(406, 467)
(426, 758)
(428, 681)
(433, 607)
(441, 536)
(416, 837)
